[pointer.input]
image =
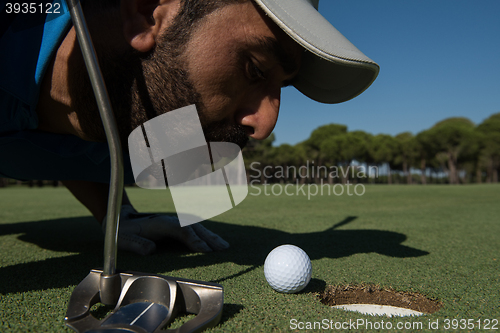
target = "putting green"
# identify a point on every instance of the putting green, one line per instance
(439, 241)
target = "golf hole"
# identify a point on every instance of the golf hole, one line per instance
(378, 301)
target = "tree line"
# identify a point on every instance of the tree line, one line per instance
(453, 151)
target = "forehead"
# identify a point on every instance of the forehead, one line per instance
(244, 25)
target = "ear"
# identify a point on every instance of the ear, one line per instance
(144, 20)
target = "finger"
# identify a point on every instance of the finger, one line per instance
(156, 227)
(136, 244)
(213, 240)
(189, 237)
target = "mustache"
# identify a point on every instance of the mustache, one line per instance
(223, 131)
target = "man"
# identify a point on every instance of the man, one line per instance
(229, 57)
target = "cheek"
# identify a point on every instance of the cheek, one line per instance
(216, 76)
(219, 88)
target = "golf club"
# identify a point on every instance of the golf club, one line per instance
(143, 302)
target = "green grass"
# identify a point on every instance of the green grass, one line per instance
(441, 241)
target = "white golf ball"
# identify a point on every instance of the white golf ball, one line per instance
(287, 269)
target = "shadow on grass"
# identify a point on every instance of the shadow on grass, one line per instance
(314, 286)
(230, 310)
(249, 247)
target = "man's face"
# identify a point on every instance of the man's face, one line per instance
(238, 60)
(232, 66)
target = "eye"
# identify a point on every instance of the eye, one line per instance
(254, 72)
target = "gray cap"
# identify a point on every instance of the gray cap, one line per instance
(334, 70)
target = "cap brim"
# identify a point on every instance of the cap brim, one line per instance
(334, 70)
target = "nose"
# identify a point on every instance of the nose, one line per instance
(260, 114)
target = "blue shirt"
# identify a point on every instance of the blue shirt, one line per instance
(28, 43)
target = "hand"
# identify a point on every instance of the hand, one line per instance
(138, 233)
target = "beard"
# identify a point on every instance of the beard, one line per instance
(143, 86)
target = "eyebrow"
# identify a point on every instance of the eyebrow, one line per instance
(287, 61)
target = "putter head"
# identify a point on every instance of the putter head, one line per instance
(147, 303)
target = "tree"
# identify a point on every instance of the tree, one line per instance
(489, 146)
(425, 151)
(284, 156)
(382, 150)
(330, 150)
(302, 153)
(343, 149)
(260, 151)
(320, 135)
(452, 137)
(361, 153)
(406, 153)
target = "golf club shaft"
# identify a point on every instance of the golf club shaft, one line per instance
(115, 149)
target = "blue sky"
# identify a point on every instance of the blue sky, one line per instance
(438, 59)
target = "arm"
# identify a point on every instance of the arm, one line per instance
(139, 232)
(93, 195)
